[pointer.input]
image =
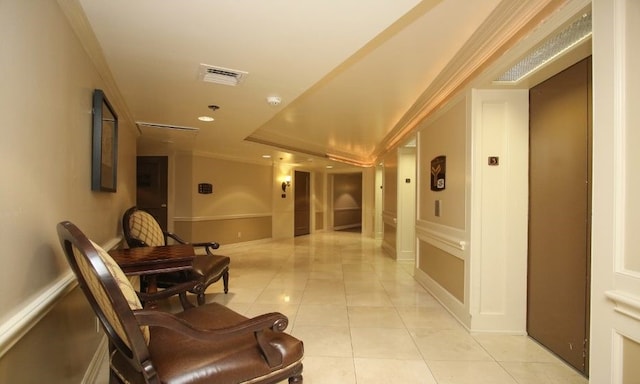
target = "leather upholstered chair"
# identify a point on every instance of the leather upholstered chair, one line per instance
(141, 229)
(205, 344)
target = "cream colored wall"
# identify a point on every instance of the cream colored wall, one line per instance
(45, 104)
(283, 208)
(318, 198)
(630, 356)
(390, 202)
(406, 230)
(239, 209)
(498, 214)
(369, 202)
(615, 248)
(446, 270)
(347, 200)
(238, 188)
(445, 136)
(441, 263)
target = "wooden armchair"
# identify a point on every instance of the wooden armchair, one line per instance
(141, 229)
(205, 344)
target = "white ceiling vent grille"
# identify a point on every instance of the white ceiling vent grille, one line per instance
(548, 50)
(221, 75)
(142, 124)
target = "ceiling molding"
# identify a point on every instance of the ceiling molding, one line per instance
(80, 25)
(504, 28)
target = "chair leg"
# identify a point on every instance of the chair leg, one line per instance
(200, 298)
(186, 304)
(297, 376)
(225, 281)
(295, 379)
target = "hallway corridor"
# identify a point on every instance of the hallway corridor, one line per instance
(365, 320)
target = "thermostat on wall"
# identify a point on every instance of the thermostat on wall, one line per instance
(205, 188)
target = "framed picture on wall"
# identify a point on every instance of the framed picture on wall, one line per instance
(104, 162)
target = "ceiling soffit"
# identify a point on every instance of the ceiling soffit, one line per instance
(505, 27)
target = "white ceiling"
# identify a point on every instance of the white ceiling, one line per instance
(353, 75)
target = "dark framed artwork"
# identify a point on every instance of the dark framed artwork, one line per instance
(438, 173)
(104, 162)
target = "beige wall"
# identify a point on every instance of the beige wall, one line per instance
(45, 104)
(225, 231)
(238, 210)
(347, 200)
(445, 136)
(390, 202)
(390, 184)
(318, 198)
(631, 356)
(445, 269)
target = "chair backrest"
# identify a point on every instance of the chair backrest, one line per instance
(110, 294)
(141, 229)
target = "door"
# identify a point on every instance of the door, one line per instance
(559, 220)
(302, 201)
(151, 182)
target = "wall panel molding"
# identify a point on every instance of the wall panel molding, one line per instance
(450, 240)
(625, 303)
(28, 316)
(448, 301)
(221, 217)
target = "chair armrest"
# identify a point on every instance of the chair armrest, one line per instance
(209, 245)
(174, 237)
(168, 292)
(276, 322)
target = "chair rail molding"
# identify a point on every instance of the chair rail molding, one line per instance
(28, 316)
(450, 240)
(221, 217)
(625, 303)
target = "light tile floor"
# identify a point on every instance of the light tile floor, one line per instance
(364, 319)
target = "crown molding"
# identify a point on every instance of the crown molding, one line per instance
(509, 23)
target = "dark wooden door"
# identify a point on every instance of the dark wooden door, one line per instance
(302, 201)
(151, 182)
(559, 220)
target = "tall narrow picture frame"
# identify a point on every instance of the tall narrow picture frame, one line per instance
(104, 162)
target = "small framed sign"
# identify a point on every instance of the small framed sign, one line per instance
(438, 173)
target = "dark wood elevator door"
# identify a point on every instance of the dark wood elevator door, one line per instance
(302, 203)
(151, 182)
(559, 220)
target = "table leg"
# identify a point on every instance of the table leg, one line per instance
(152, 287)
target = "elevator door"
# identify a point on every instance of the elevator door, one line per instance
(559, 220)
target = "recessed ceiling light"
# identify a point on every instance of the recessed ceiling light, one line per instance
(206, 118)
(266, 156)
(329, 166)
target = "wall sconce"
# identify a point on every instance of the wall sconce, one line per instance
(286, 183)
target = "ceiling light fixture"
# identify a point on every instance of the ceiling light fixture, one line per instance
(206, 118)
(274, 100)
(548, 50)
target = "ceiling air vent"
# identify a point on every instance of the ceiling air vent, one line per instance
(142, 124)
(221, 75)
